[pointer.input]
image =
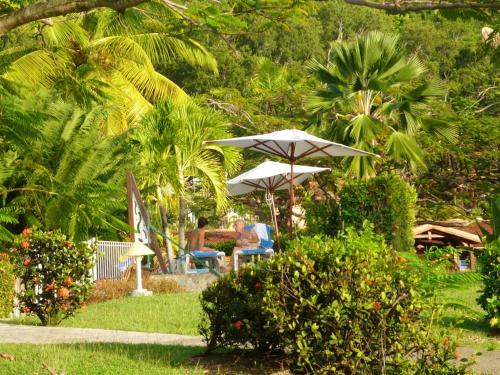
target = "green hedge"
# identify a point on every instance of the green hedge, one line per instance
(6, 286)
(386, 201)
(331, 306)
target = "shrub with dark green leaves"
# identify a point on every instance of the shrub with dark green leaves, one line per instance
(55, 273)
(6, 286)
(350, 305)
(346, 306)
(490, 294)
(233, 312)
(386, 201)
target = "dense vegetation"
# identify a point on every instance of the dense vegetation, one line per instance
(78, 91)
(345, 305)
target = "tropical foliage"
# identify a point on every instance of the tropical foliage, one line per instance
(369, 100)
(171, 140)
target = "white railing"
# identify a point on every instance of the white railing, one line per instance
(110, 259)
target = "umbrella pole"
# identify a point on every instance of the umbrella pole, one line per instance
(275, 221)
(292, 193)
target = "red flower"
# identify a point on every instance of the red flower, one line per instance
(257, 285)
(25, 309)
(377, 306)
(26, 232)
(25, 244)
(238, 325)
(50, 286)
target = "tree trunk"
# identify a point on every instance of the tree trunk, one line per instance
(166, 237)
(53, 8)
(182, 223)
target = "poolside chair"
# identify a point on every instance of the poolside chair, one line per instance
(211, 260)
(264, 251)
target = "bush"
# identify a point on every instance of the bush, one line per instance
(490, 294)
(55, 273)
(227, 247)
(344, 306)
(388, 202)
(233, 312)
(6, 286)
(322, 217)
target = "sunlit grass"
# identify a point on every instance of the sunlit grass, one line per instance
(165, 313)
(465, 317)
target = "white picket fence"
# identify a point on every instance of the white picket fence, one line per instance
(110, 259)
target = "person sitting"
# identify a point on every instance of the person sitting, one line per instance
(245, 237)
(196, 240)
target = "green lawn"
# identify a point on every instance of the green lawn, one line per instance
(99, 359)
(467, 319)
(166, 313)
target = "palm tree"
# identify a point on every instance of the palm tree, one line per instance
(371, 98)
(107, 56)
(70, 175)
(171, 143)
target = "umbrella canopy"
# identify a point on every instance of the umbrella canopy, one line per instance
(292, 145)
(271, 176)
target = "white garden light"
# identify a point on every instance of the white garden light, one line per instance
(138, 250)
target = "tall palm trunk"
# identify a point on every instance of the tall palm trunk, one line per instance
(165, 230)
(182, 222)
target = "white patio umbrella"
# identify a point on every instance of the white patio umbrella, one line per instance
(271, 176)
(292, 145)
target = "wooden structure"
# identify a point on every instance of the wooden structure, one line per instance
(459, 234)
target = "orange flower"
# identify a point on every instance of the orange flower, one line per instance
(457, 355)
(25, 244)
(63, 293)
(68, 280)
(26, 232)
(445, 341)
(377, 306)
(238, 325)
(26, 262)
(25, 309)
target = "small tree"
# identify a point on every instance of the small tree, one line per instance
(55, 273)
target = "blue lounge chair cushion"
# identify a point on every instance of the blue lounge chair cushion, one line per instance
(268, 244)
(198, 270)
(259, 251)
(204, 254)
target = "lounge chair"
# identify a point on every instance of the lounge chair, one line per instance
(213, 260)
(264, 251)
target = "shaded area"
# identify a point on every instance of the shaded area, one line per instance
(89, 359)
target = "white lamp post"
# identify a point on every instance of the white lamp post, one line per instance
(138, 250)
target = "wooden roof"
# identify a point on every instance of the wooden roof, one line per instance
(432, 232)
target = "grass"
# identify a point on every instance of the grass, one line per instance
(465, 317)
(88, 359)
(165, 313)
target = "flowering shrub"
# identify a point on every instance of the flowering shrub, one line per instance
(6, 286)
(233, 312)
(55, 273)
(343, 306)
(490, 294)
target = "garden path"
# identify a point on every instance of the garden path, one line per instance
(25, 334)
